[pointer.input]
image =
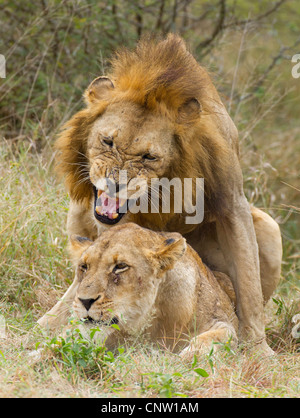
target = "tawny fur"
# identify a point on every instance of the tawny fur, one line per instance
(159, 77)
(168, 97)
(164, 293)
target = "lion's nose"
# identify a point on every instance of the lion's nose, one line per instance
(87, 303)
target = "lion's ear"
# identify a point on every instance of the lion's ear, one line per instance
(189, 111)
(78, 245)
(98, 89)
(171, 250)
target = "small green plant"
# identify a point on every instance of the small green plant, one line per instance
(75, 352)
(199, 371)
(279, 332)
(281, 305)
(161, 383)
(166, 384)
(219, 347)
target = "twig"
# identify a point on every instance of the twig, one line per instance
(270, 67)
(160, 15)
(218, 28)
(257, 18)
(116, 19)
(236, 69)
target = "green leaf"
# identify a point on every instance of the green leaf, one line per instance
(121, 350)
(109, 356)
(195, 361)
(201, 372)
(93, 332)
(82, 363)
(37, 345)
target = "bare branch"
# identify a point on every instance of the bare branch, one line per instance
(139, 23)
(257, 18)
(218, 28)
(159, 21)
(259, 83)
(114, 10)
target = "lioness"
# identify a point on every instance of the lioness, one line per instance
(150, 283)
(158, 115)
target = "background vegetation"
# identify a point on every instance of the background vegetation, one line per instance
(53, 50)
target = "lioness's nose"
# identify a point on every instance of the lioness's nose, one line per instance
(87, 303)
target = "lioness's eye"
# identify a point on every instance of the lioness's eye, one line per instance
(108, 141)
(83, 267)
(149, 157)
(120, 267)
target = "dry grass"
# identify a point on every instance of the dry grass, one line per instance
(34, 268)
(35, 271)
(144, 372)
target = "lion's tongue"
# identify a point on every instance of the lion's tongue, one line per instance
(108, 206)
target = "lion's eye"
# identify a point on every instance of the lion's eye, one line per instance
(120, 267)
(108, 141)
(149, 157)
(83, 267)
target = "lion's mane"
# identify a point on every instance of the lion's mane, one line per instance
(160, 76)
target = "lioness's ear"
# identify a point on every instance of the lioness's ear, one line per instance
(77, 245)
(171, 250)
(98, 89)
(189, 111)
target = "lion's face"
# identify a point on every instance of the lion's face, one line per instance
(127, 138)
(155, 117)
(120, 274)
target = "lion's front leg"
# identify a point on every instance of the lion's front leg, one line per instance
(81, 221)
(237, 239)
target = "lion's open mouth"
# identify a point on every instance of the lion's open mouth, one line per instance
(107, 209)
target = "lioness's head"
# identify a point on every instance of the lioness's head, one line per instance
(151, 118)
(120, 274)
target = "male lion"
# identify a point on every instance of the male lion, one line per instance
(158, 115)
(152, 284)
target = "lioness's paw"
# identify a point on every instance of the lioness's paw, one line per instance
(192, 349)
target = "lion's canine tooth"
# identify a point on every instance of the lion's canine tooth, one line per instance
(99, 193)
(98, 209)
(114, 215)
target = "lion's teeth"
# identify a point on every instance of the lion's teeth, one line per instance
(114, 215)
(99, 193)
(98, 209)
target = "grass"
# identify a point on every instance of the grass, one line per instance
(41, 93)
(138, 371)
(34, 272)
